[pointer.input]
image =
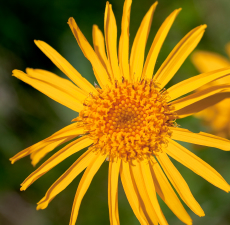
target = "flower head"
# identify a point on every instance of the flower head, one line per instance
(128, 119)
(216, 116)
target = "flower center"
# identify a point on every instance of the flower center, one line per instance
(128, 121)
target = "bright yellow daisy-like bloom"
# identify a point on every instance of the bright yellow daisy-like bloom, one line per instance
(216, 116)
(129, 119)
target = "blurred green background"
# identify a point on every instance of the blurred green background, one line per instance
(27, 116)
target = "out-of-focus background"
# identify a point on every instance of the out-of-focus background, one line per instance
(27, 116)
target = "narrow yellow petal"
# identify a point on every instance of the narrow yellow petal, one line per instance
(199, 95)
(124, 40)
(178, 55)
(200, 138)
(138, 48)
(227, 48)
(89, 53)
(71, 130)
(55, 159)
(111, 41)
(150, 188)
(99, 47)
(166, 192)
(157, 44)
(180, 185)
(57, 94)
(59, 185)
(132, 193)
(207, 61)
(202, 104)
(84, 185)
(114, 168)
(196, 164)
(196, 82)
(65, 67)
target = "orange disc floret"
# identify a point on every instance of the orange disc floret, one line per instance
(128, 121)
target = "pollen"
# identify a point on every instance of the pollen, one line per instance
(128, 121)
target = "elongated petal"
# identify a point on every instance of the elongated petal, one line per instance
(111, 41)
(99, 47)
(138, 48)
(150, 189)
(157, 44)
(166, 192)
(77, 167)
(180, 185)
(124, 40)
(178, 55)
(207, 61)
(65, 67)
(69, 131)
(202, 104)
(114, 168)
(84, 185)
(132, 193)
(199, 95)
(227, 48)
(89, 53)
(196, 82)
(142, 191)
(53, 92)
(55, 159)
(201, 138)
(196, 164)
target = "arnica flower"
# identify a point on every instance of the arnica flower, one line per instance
(128, 119)
(217, 117)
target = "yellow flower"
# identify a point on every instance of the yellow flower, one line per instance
(216, 116)
(128, 120)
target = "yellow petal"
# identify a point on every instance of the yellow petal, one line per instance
(124, 40)
(111, 41)
(202, 104)
(132, 193)
(65, 67)
(201, 138)
(193, 83)
(99, 47)
(114, 168)
(71, 130)
(58, 82)
(178, 55)
(199, 95)
(89, 53)
(138, 48)
(59, 185)
(57, 94)
(196, 164)
(207, 61)
(227, 48)
(55, 159)
(84, 185)
(157, 44)
(181, 187)
(150, 189)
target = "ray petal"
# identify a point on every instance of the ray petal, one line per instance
(157, 44)
(138, 48)
(55, 159)
(84, 185)
(65, 67)
(59, 185)
(179, 184)
(124, 40)
(200, 138)
(114, 168)
(227, 49)
(55, 93)
(178, 55)
(89, 53)
(196, 164)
